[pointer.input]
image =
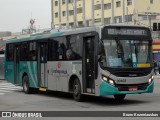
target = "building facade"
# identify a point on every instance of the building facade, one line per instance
(78, 13)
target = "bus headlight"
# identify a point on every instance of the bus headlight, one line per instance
(104, 78)
(108, 80)
(111, 82)
(151, 79)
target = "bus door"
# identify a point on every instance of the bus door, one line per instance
(42, 64)
(88, 64)
(16, 64)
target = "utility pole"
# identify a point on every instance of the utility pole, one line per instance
(123, 12)
(149, 18)
(84, 14)
(75, 14)
(127, 15)
(67, 16)
(92, 10)
(52, 12)
(112, 6)
(102, 12)
(59, 13)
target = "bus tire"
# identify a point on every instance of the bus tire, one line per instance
(26, 88)
(77, 90)
(119, 98)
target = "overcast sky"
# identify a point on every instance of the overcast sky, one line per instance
(15, 14)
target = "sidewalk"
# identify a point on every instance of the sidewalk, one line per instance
(157, 74)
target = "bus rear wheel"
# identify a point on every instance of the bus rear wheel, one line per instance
(77, 91)
(26, 88)
(119, 97)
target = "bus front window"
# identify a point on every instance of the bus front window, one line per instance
(126, 53)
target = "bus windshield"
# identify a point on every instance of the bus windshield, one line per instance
(120, 53)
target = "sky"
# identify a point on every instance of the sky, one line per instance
(16, 14)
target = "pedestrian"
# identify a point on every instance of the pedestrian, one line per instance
(159, 67)
(154, 67)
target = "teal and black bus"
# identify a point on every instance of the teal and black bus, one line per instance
(98, 61)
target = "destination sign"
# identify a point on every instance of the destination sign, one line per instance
(112, 31)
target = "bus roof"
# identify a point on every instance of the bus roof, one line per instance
(39, 36)
(56, 33)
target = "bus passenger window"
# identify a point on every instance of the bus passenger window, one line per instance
(74, 48)
(32, 51)
(32, 55)
(24, 51)
(9, 52)
(61, 51)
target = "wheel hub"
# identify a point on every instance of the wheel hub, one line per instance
(76, 89)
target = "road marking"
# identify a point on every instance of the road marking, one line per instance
(6, 87)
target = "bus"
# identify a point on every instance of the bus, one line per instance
(99, 61)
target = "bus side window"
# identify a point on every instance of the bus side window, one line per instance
(53, 50)
(24, 51)
(61, 51)
(32, 51)
(57, 49)
(9, 52)
(73, 47)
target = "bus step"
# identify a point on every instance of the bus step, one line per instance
(89, 90)
(42, 89)
(89, 94)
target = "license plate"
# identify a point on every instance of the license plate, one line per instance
(133, 88)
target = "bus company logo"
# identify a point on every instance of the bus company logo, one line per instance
(6, 114)
(59, 65)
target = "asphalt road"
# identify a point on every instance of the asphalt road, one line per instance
(15, 100)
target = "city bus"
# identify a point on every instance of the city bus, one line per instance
(99, 61)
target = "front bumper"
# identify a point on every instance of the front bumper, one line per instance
(107, 89)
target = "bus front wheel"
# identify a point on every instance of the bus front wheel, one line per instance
(119, 97)
(26, 88)
(77, 91)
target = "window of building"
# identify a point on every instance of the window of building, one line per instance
(107, 6)
(153, 17)
(63, 2)
(107, 20)
(24, 51)
(142, 17)
(129, 2)
(32, 51)
(70, 1)
(97, 7)
(9, 53)
(71, 12)
(128, 18)
(56, 14)
(79, 10)
(64, 13)
(80, 24)
(118, 4)
(151, 1)
(118, 19)
(71, 24)
(56, 3)
(146, 17)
